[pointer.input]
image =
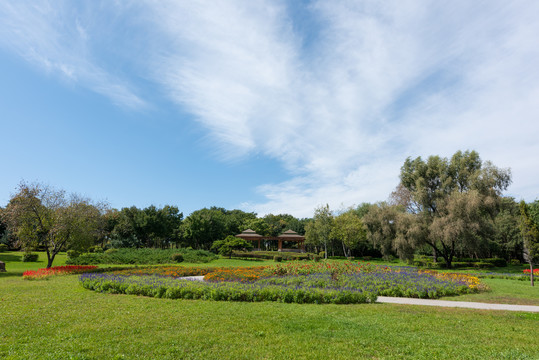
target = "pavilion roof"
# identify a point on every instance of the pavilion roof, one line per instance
(291, 235)
(248, 233)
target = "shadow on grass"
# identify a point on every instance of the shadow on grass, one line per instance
(11, 274)
(10, 258)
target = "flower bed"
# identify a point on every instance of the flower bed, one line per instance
(343, 282)
(56, 270)
(162, 287)
(528, 271)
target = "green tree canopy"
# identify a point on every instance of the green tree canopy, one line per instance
(349, 230)
(41, 216)
(318, 231)
(530, 232)
(454, 201)
(229, 244)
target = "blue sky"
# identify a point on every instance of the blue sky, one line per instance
(267, 106)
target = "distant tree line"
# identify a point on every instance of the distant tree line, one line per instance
(43, 218)
(443, 208)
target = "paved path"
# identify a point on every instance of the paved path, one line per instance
(461, 304)
(193, 278)
(427, 302)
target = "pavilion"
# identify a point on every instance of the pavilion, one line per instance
(288, 235)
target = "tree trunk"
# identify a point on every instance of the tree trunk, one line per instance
(531, 272)
(50, 259)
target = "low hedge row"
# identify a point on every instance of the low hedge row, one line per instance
(269, 255)
(143, 257)
(460, 263)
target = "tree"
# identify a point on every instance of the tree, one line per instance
(348, 229)
(41, 216)
(203, 227)
(530, 232)
(230, 244)
(317, 232)
(381, 224)
(507, 241)
(453, 201)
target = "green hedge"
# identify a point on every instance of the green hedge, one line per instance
(142, 257)
(268, 255)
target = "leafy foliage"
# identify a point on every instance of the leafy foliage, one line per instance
(142, 256)
(230, 244)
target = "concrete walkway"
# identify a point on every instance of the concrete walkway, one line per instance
(193, 278)
(428, 302)
(460, 304)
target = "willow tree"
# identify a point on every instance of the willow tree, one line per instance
(453, 201)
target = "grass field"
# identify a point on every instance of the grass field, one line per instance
(58, 319)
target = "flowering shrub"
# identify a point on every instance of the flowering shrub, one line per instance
(528, 272)
(326, 282)
(241, 274)
(55, 270)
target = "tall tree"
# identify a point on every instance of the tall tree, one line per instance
(454, 201)
(530, 232)
(507, 240)
(348, 229)
(381, 224)
(317, 232)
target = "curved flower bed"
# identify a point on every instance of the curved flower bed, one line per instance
(338, 283)
(170, 288)
(56, 270)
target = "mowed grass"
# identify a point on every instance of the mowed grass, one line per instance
(15, 266)
(58, 319)
(503, 291)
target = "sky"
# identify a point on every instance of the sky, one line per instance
(265, 106)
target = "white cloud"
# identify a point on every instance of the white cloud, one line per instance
(47, 35)
(341, 96)
(380, 82)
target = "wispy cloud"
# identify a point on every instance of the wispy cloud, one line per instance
(51, 36)
(340, 92)
(380, 82)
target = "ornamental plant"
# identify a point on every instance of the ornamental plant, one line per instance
(325, 282)
(41, 274)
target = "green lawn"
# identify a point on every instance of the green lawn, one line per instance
(58, 319)
(15, 266)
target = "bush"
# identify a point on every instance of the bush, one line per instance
(142, 257)
(3, 247)
(30, 257)
(268, 255)
(515, 262)
(497, 262)
(177, 257)
(367, 258)
(317, 258)
(322, 254)
(277, 258)
(97, 249)
(72, 254)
